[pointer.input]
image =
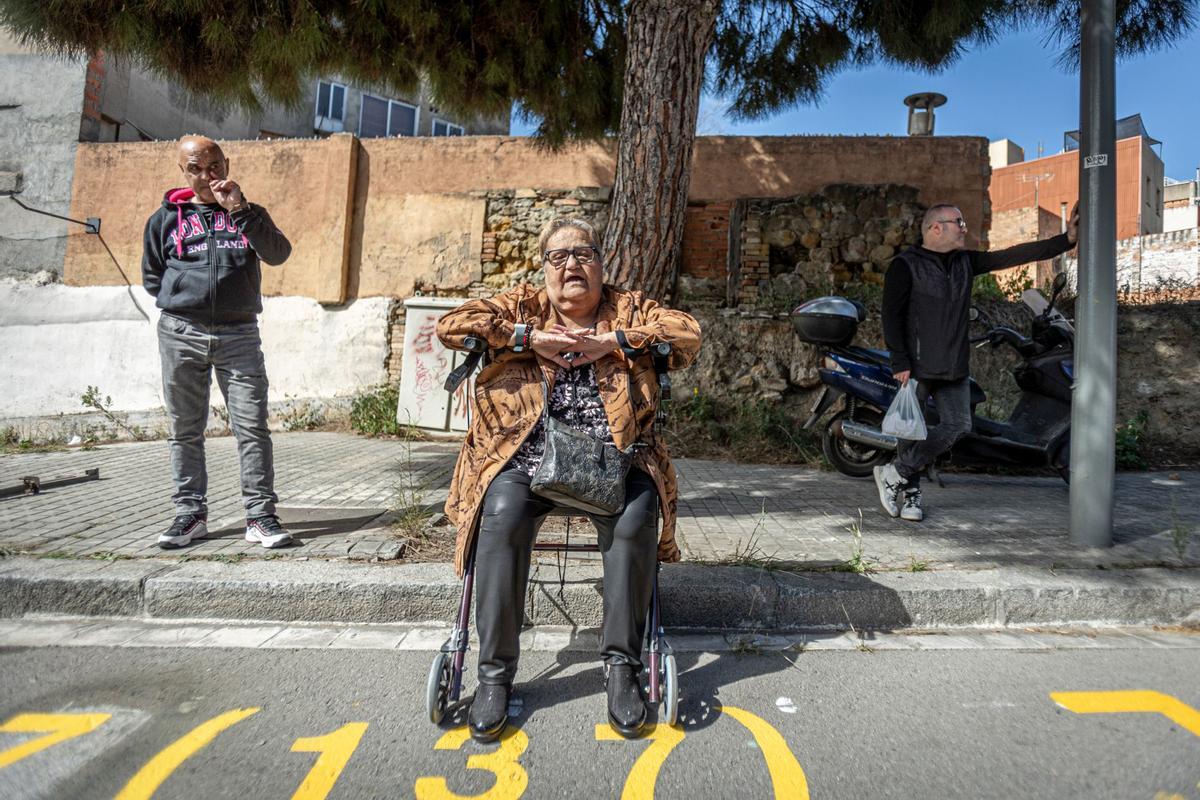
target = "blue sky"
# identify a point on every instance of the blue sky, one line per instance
(1011, 89)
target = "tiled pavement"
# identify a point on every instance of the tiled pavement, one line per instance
(335, 489)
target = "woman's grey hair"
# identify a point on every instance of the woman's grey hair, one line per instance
(555, 225)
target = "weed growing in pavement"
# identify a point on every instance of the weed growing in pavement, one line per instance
(1130, 439)
(745, 646)
(412, 514)
(857, 563)
(12, 442)
(1181, 533)
(303, 416)
(373, 411)
(917, 566)
(92, 399)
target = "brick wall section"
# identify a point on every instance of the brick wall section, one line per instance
(1022, 225)
(705, 252)
(756, 258)
(93, 87)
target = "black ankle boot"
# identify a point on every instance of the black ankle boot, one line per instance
(626, 707)
(489, 711)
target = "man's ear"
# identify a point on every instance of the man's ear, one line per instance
(227, 169)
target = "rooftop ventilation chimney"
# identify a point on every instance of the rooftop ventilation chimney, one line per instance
(920, 112)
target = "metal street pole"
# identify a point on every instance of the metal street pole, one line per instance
(1094, 404)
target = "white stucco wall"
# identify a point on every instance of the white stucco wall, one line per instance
(57, 340)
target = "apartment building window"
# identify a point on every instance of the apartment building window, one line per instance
(331, 106)
(380, 117)
(443, 128)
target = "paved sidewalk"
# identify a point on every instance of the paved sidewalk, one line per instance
(335, 490)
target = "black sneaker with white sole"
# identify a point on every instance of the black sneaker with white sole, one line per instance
(183, 530)
(267, 531)
(910, 508)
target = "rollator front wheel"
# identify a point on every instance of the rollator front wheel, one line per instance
(670, 689)
(437, 688)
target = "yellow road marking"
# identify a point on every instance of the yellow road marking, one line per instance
(335, 749)
(511, 778)
(787, 776)
(147, 780)
(1131, 702)
(57, 727)
(639, 785)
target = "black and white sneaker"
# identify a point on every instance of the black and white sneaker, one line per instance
(267, 531)
(910, 507)
(183, 530)
(888, 482)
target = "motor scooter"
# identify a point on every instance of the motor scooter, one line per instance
(859, 381)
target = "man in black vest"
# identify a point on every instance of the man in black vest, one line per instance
(926, 305)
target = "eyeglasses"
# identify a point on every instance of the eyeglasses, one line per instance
(960, 222)
(558, 258)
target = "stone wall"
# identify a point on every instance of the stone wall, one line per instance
(756, 358)
(515, 218)
(1155, 263)
(807, 245)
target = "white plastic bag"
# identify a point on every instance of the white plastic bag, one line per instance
(904, 419)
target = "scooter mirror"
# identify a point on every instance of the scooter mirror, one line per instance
(1060, 282)
(974, 314)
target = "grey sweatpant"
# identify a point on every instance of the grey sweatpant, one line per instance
(189, 352)
(511, 517)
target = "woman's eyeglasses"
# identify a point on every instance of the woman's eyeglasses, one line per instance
(558, 258)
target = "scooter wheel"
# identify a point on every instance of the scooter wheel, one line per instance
(851, 458)
(437, 688)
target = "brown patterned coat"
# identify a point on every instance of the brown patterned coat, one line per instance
(508, 396)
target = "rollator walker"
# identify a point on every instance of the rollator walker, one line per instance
(444, 685)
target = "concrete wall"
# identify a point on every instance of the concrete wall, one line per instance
(1156, 262)
(57, 340)
(416, 219)
(39, 128)
(371, 221)
(304, 184)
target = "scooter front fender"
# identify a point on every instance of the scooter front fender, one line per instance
(829, 395)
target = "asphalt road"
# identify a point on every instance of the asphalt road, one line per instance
(197, 722)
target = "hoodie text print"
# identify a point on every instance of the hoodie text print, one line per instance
(201, 262)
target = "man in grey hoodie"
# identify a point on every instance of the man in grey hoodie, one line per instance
(202, 251)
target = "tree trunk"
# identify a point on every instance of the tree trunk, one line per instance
(664, 75)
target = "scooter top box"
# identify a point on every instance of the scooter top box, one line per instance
(828, 320)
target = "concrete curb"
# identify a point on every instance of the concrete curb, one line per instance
(694, 596)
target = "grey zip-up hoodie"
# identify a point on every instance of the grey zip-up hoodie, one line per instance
(201, 262)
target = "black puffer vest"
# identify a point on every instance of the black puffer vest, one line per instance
(939, 315)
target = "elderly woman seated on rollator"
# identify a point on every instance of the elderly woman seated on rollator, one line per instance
(574, 349)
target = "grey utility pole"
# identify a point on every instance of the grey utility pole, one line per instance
(1094, 401)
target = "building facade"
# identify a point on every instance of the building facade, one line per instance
(1052, 182)
(130, 105)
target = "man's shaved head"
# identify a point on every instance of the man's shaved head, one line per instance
(193, 143)
(202, 161)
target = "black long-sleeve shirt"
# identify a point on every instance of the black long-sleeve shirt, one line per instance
(897, 284)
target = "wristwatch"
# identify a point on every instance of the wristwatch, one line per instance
(519, 336)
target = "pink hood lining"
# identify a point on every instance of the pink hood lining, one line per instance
(178, 197)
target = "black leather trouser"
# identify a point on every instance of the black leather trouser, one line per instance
(509, 523)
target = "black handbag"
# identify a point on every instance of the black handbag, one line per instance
(579, 470)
